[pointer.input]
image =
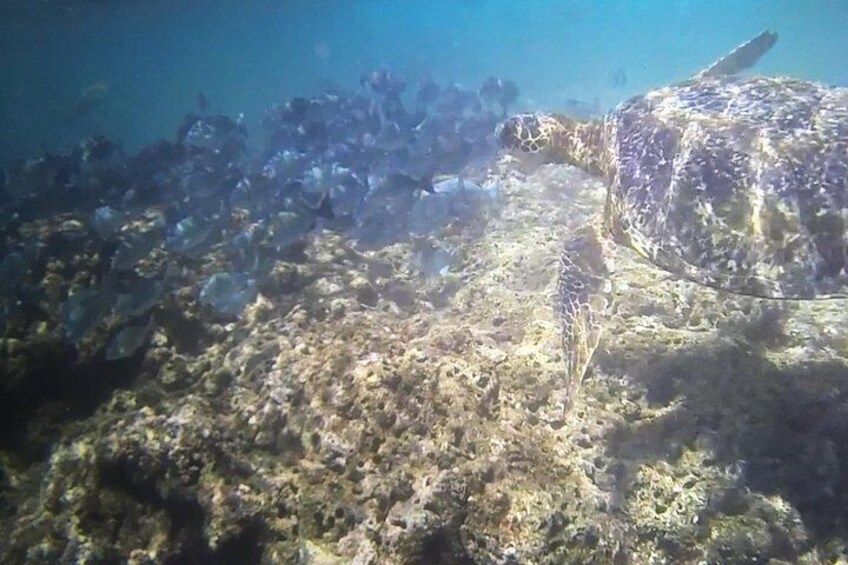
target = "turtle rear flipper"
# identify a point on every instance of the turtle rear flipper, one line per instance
(584, 296)
(743, 57)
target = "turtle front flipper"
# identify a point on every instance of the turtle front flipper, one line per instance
(584, 296)
(743, 57)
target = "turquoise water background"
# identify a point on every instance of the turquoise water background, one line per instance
(155, 55)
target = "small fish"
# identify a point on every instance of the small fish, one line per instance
(287, 227)
(345, 193)
(106, 221)
(382, 216)
(97, 148)
(455, 102)
(389, 138)
(394, 183)
(618, 78)
(433, 260)
(138, 297)
(228, 293)
(189, 235)
(129, 340)
(133, 247)
(299, 217)
(325, 210)
(428, 92)
(89, 99)
(392, 108)
(499, 91)
(202, 102)
(83, 310)
(383, 82)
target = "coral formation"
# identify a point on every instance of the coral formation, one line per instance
(360, 412)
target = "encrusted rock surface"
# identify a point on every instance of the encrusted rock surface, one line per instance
(359, 413)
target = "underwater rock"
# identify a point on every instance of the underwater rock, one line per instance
(228, 293)
(339, 427)
(354, 164)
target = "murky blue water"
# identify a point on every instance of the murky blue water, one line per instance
(154, 56)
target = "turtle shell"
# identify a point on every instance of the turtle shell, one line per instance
(736, 183)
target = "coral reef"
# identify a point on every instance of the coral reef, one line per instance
(361, 412)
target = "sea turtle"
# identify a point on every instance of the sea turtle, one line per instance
(737, 183)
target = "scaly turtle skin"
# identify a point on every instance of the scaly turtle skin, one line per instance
(735, 183)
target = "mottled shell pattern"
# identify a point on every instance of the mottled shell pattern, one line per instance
(736, 183)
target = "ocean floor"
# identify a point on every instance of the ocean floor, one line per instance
(370, 415)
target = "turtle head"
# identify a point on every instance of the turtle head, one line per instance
(559, 138)
(529, 133)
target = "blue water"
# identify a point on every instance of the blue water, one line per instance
(155, 55)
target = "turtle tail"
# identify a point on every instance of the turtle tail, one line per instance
(584, 295)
